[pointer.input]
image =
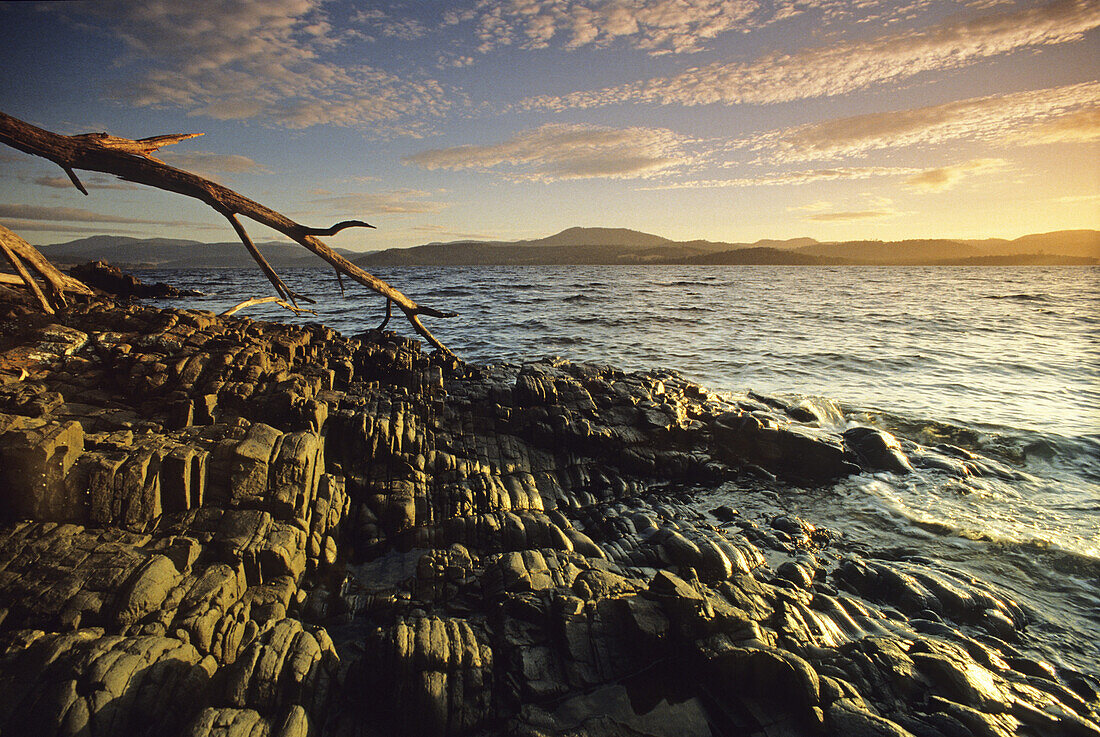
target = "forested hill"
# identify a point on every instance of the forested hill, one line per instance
(594, 246)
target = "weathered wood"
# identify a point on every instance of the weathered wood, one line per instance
(22, 255)
(132, 161)
(265, 300)
(26, 278)
(71, 284)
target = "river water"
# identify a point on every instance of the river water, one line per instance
(1003, 362)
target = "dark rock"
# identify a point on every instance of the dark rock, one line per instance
(877, 449)
(111, 279)
(291, 532)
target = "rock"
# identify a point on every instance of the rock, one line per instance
(955, 674)
(791, 452)
(846, 719)
(35, 458)
(111, 279)
(877, 449)
(291, 532)
(769, 675)
(146, 590)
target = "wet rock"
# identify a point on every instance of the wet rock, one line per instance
(877, 449)
(291, 532)
(791, 452)
(111, 279)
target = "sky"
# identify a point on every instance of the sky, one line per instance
(690, 119)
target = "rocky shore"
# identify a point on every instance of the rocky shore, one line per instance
(215, 526)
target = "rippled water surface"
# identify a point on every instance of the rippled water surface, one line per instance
(1002, 346)
(1003, 362)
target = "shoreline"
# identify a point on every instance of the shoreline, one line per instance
(258, 524)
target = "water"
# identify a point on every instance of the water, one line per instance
(1003, 362)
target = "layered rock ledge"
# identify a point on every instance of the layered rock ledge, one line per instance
(214, 526)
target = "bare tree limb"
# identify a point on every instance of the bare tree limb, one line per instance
(266, 300)
(389, 313)
(284, 291)
(21, 255)
(71, 284)
(132, 161)
(75, 180)
(343, 224)
(26, 277)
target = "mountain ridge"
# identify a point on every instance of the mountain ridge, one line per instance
(176, 253)
(601, 246)
(609, 246)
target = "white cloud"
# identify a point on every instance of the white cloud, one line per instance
(95, 181)
(992, 118)
(271, 60)
(658, 26)
(1082, 126)
(27, 226)
(848, 66)
(556, 151)
(943, 178)
(405, 29)
(850, 216)
(818, 206)
(787, 178)
(69, 214)
(396, 201)
(926, 180)
(206, 163)
(655, 26)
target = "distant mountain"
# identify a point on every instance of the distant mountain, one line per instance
(592, 246)
(1079, 243)
(893, 252)
(170, 253)
(601, 246)
(763, 256)
(599, 237)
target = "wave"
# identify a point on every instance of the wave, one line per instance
(1022, 297)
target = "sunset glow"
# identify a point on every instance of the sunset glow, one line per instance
(703, 119)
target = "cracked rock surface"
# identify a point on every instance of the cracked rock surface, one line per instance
(214, 526)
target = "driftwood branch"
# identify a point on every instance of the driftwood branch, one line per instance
(132, 161)
(266, 300)
(25, 258)
(389, 314)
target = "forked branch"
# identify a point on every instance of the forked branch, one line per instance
(25, 259)
(132, 161)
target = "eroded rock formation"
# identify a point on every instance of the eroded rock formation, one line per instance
(223, 527)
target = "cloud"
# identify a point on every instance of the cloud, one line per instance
(818, 206)
(850, 216)
(28, 226)
(396, 201)
(1072, 199)
(404, 29)
(1082, 126)
(93, 182)
(945, 177)
(440, 230)
(657, 26)
(848, 66)
(275, 61)
(992, 118)
(557, 151)
(63, 214)
(786, 178)
(205, 163)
